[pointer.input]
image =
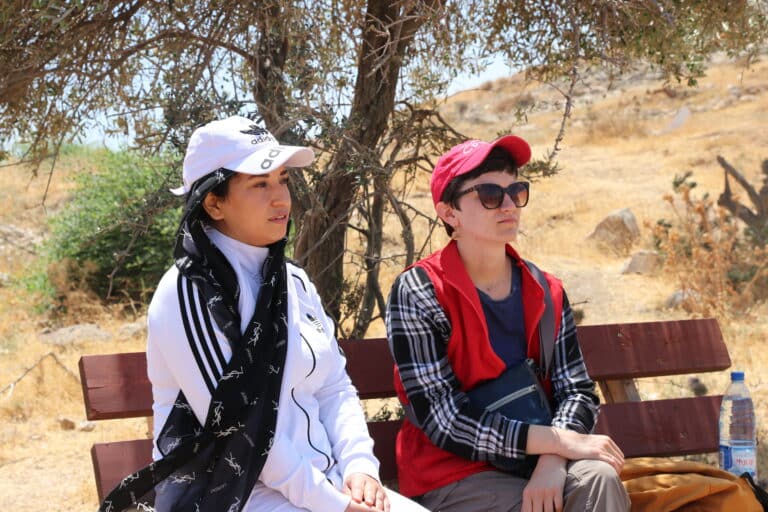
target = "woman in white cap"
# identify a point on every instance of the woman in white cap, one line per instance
(253, 407)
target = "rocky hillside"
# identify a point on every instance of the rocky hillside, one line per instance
(625, 143)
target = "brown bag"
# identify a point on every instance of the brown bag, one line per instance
(664, 485)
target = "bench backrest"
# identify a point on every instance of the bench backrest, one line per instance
(116, 386)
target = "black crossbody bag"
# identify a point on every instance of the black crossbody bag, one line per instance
(517, 393)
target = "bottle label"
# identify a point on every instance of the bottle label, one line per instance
(738, 459)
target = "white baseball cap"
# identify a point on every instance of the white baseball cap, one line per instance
(238, 144)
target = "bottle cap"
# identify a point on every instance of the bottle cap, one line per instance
(737, 376)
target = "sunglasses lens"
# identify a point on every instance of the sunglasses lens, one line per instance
(519, 193)
(490, 194)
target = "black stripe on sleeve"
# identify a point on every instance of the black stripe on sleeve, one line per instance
(193, 307)
(188, 330)
(211, 333)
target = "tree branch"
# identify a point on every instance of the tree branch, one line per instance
(574, 75)
(729, 169)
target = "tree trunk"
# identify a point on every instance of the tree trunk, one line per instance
(269, 89)
(372, 296)
(386, 35)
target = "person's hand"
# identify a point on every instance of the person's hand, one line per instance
(575, 446)
(358, 507)
(544, 492)
(366, 493)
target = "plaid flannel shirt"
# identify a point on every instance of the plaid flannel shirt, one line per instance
(418, 331)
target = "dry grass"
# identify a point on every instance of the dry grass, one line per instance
(609, 161)
(43, 466)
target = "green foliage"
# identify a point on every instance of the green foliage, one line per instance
(541, 167)
(64, 64)
(37, 284)
(661, 232)
(683, 180)
(116, 235)
(757, 235)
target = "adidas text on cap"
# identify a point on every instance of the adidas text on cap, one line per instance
(238, 144)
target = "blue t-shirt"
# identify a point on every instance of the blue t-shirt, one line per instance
(506, 327)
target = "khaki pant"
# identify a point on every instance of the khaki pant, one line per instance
(590, 485)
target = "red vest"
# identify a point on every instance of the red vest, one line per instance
(422, 466)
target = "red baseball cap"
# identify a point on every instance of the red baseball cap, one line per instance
(467, 156)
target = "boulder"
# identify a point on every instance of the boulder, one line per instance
(75, 334)
(643, 262)
(684, 299)
(617, 232)
(132, 330)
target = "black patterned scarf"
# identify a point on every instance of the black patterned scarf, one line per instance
(213, 467)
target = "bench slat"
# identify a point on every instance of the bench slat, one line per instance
(114, 461)
(656, 428)
(116, 386)
(649, 349)
(662, 428)
(384, 434)
(370, 366)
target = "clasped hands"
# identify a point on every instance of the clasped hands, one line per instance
(366, 492)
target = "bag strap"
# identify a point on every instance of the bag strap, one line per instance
(760, 493)
(547, 322)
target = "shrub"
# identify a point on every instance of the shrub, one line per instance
(719, 269)
(115, 236)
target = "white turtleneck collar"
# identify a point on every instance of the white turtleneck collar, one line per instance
(247, 261)
(250, 257)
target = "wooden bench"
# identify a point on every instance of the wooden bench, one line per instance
(116, 386)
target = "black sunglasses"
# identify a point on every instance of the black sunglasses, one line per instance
(491, 195)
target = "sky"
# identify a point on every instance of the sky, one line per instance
(495, 70)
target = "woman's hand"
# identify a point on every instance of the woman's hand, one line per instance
(591, 446)
(544, 492)
(366, 493)
(574, 446)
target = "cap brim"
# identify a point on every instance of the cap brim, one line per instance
(516, 147)
(266, 161)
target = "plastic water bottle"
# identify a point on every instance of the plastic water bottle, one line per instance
(738, 442)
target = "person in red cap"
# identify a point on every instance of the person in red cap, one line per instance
(466, 317)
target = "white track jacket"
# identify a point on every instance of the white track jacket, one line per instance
(321, 433)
